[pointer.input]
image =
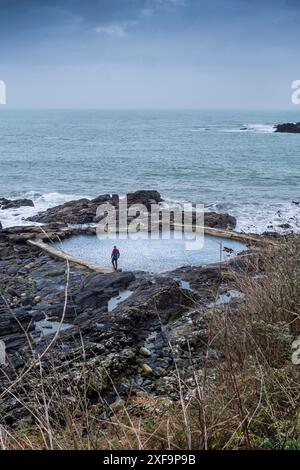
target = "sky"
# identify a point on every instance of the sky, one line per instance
(165, 54)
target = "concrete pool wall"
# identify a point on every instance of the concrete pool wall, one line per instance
(57, 252)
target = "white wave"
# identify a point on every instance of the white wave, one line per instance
(260, 218)
(255, 128)
(265, 128)
(243, 128)
(257, 217)
(42, 202)
(202, 129)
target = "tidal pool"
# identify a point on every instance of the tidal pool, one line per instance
(149, 254)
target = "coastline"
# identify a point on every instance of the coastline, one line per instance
(34, 284)
(283, 218)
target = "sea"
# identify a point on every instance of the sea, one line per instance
(231, 161)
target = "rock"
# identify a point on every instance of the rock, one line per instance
(29, 266)
(151, 338)
(228, 250)
(99, 281)
(14, 341)
(59, 272)
(289, 127)
(13, 322)
(118, 405)
(146, 369)
(145, 352)
(14, 204)
(144, 197)
(104, 198)
(222, 221)
(12, 291)
(83, 211)
(285, 226)
(97, 288)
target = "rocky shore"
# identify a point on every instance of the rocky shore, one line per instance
(83, 211)
(132, 328)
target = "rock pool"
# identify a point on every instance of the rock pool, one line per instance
(150, 254)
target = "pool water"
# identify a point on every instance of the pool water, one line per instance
(115, 301)
(149, 254)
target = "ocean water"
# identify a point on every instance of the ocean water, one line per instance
(229, 160)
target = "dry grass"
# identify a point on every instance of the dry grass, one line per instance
(249, 398)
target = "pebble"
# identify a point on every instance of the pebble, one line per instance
(145, 352)
(146, 369)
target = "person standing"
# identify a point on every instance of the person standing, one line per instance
(115, 255)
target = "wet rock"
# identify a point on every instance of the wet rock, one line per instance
(144, 197)
(289, 127)
(83, 211)
(104, 198)
(14, 342)
(97, 288)
(220, 221)
(15, 204)
(100, 281)
(80, 211)
(13, 321)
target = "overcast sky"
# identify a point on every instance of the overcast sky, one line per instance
(149, 53)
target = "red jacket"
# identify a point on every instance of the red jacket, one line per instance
(115, 253)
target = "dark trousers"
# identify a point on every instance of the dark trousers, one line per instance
(115, 263)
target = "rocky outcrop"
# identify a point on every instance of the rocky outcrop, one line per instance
(139, 344)
(15, 204)
(222, 221)
(289, 127)
(144, 197)
(97, 289)
(83, 211)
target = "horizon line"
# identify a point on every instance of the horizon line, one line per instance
(67, 108)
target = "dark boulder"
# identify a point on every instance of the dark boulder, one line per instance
(97, 288)
(106, 198)
(14, 321)
(220, 221)
(289, 127)
(104, 281)
(15, 204)
(145, 197)
(80, 211)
